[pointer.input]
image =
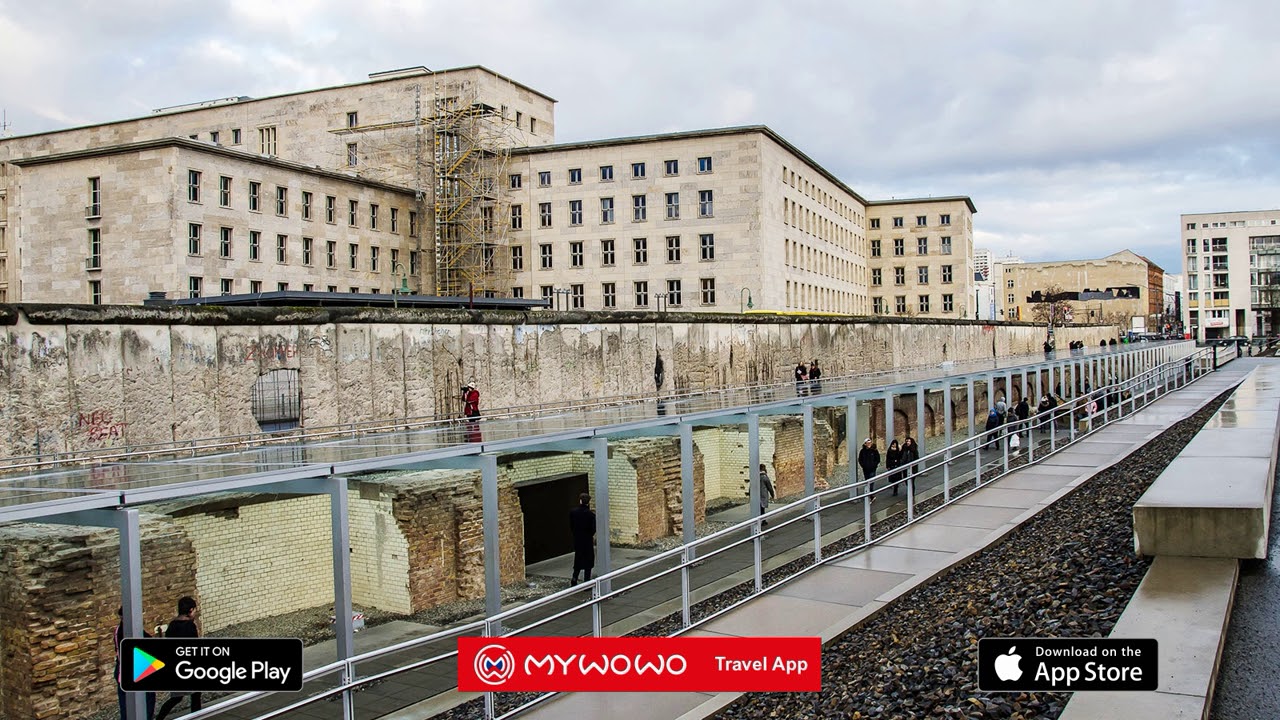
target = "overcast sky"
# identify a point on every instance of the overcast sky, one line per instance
(1078, 128)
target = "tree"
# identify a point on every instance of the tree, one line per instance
(1050, 306)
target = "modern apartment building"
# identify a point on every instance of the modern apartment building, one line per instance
(1123, 288)
(1231, 266)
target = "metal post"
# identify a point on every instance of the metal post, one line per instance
(852, 443)
(604, 556)
(808, 450)
(689, 531)
(753, 463)
(991, 392)
(135, 704)
(889, 432)
(946, 458)
(489, 510)
(685, 557)
(339, 514)
(970, 411)
(920, 425)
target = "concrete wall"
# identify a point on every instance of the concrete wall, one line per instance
(75, 379)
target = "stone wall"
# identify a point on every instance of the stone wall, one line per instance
(84, 378)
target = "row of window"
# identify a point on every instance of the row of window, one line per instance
(922, 246)
(226, 286)
(266, 138)
(195, 246)
(609, 252)
(641, 295)
(921, 221)
(195, 194)
(922, 275)
(801, 256)
(822, 197)
(1218, 245)
(924, 304)
(639, 170)
(803, 296)
(809, 222)
(639, 210)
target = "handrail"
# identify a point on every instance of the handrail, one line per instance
(1148, 384)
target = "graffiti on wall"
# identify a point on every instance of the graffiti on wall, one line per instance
(99, 425)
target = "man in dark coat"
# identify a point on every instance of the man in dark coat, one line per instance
(183, 626)
(869, 460)
(582, 523)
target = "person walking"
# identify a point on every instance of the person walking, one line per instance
(1045, 406)
(869, 461)
(766, 493)
(910, 454)
(470, 400)
(582, 524)
(120, 696)
(993, 424)
(1022, 411)
(893, 461)
(815, 377)
(802, 377)
(182, 626)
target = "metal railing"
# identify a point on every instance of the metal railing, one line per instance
(680, 589)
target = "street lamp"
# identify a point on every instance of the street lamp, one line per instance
(749, 303)
(404, 284)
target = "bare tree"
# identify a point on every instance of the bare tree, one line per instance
(1049, 306)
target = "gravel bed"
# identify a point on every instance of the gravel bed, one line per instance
(1068, 572)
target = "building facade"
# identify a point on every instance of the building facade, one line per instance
(921, 257)
(1231, 271)
(1123, 288)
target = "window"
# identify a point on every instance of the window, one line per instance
(673, 206)
(1008, 284)
(255, 287)
(224, 191)
(610, 293)
(707, 245)
(517, 257)
(195, 286)
(413, 262)
(640, 251)
(673, 293)
(705, 203)
(875, 223)
(282, 201)
(1191, 226)
(353, 256)
(875, 248)
(373, 216)
(945, 242)
(575, 254)
(255, 190)
(900, 304)
(922, 246)
(517, 292)
(307, 245)
(235, 136)
(226, 286)
(1010, 299)
(353, 155)
(575, 176)
(899, 247)
(922, 220)
(374, 253)
(395, 219)
(353, 119)
(267, 140)
(395, 259)
(606, 173)
(637, 170)
(353, 290)
(544, 252)
(671, 167)
(547, 292)
(193, 239)
(515, 180)
(353, 209)
(877, 305)
(948, 301)
(95, 250)
(330, 209)
(306, 205)
(224, 244)
(517, 217)
(946, 274)
(642, 293)
(575, 213)
(413, 223)
(331, 254)
(922, 275)
(704, 164)
(193, 186)
(922, 302)
(944, 219)
(544, 214)
(544, 178)
(639, 211)
(577, 297)
(282, 287)
(606, 210)
(708, 291)
(282, 248)
(899, 276)
(673, 248)
(897, 222)
(876, 277)
(255, 244)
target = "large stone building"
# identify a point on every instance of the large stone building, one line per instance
(1123, 288)
(1231, 265)
(452, 182)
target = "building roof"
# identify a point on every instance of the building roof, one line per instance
(943, 198)
(197, 105)
(204, 147)
(693, 135)
(1123, 255)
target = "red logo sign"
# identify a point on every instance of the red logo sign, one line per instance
(681, 664)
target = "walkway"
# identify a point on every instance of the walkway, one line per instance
(835, 598)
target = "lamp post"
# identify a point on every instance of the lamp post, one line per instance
(749, 303)
(404, 284)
